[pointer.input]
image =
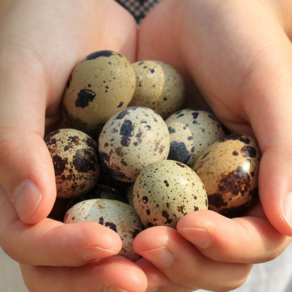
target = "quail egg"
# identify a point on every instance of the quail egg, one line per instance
(102, 84)
(75, 160)
(192, 131)
(132, 139)
(115, 215)
(229, 170)
(165, 191)
(159, 87)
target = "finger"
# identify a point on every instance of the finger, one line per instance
(53, 243)
(250, 86)
(156, 280)
(114, 274)
(183, 264)
(33, 76)
(229, 240)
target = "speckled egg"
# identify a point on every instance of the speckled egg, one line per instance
(75, 160)
(98, 192)
(115, 215)
(229, 170)
(102, 84)
(166, 191)
(159, 87)
(131, 140)
(191, 132)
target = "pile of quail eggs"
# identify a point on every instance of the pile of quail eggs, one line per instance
(129, 157)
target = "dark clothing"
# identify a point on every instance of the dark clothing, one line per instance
(138, 8)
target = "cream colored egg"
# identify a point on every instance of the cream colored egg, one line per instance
(131, 140)
(191, 132)
(166, 191)
(159, 87)
(115, 215)
(102, 84)
(229, 170)
(75, 160)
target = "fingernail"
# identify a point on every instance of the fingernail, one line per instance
(197, 236)
(287, 208)
(26, 197)
(96, 252)
(113, 289)
(161, 257)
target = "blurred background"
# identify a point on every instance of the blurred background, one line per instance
(10, 275)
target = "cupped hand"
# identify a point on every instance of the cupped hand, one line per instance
(40, 43)
(239, 55)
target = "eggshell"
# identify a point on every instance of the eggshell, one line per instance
(115, 215)
(229, 170)
(131, 140)
(159, 87)
(166, 191)
(75, 160)
(192, 131)
(102, 84)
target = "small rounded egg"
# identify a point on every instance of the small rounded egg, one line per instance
(159, 87)
(102, 84)
(166, 191)
(75, 160)
(229, 170)
(115, 215)
(131, 140)
(191, 131)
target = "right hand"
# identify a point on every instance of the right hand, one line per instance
(40, 43)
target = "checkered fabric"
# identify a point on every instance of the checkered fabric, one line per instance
(138, 8)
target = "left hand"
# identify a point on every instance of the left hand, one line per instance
(239, 55)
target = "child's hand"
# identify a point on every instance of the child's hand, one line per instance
(40, 43)
(240, 57)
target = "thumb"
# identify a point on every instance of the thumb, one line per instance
(26, 169)
(269, 109)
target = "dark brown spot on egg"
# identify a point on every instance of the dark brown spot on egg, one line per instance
(145, 199)
(148, 212)
(84, 161)
(84, 97)
(248, 151)
(125, 141)
(181, 209)
(179, 152)
(120, 104)
(111, 225)
(95, 55)
(49, 137)
(127, 129)
(216, 200)
(234, 182)
(166, 216)
(171, 130)
(149, 224)
(195, 115)
(235, 153)
(59, 164)
(234, 137)
(75, 140)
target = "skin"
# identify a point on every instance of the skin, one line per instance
(244, 72)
